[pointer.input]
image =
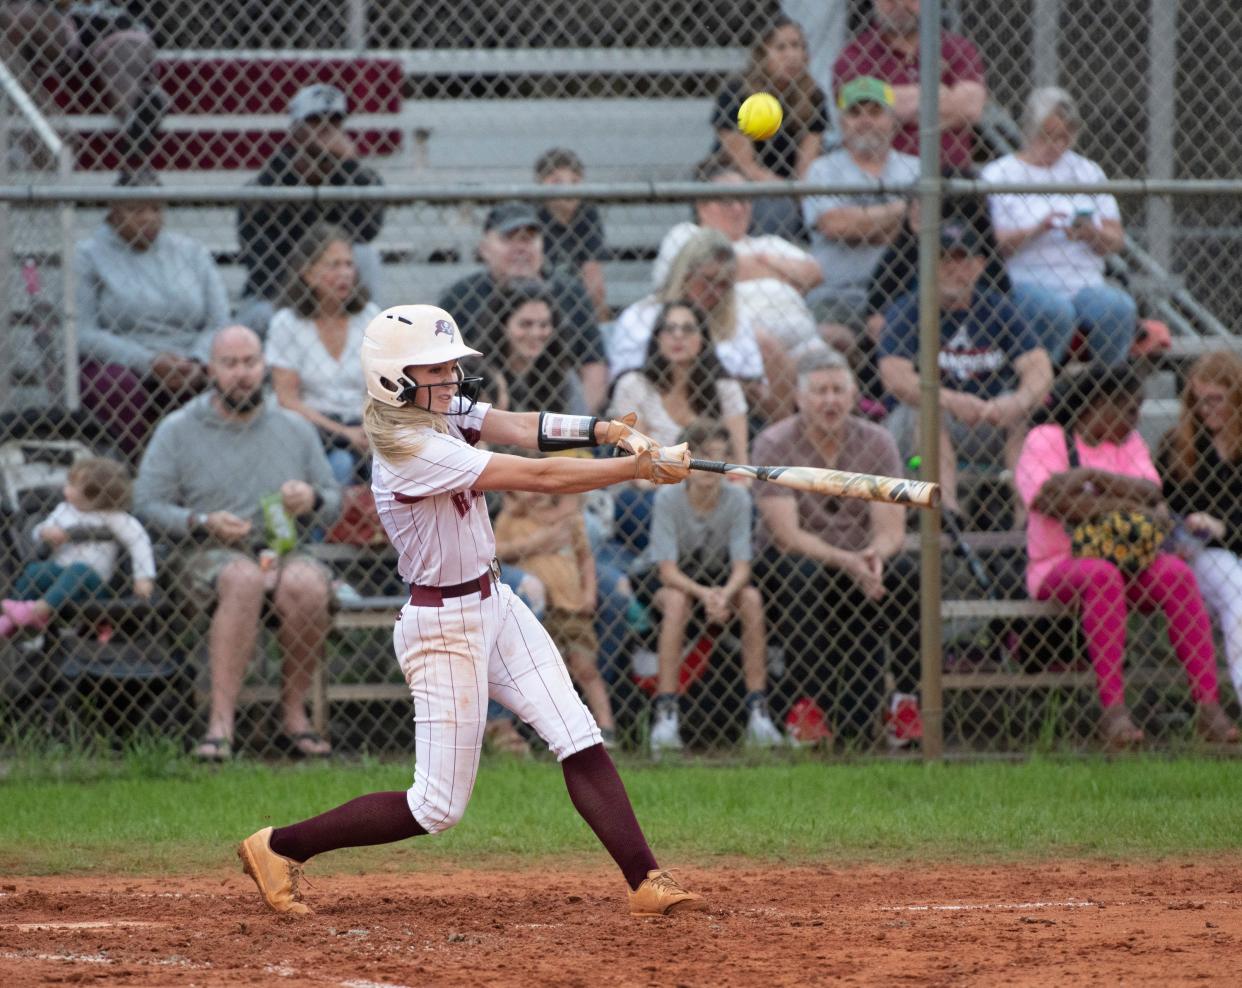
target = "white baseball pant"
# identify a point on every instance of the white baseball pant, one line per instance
(454, 658)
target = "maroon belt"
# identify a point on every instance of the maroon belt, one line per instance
(436, 596)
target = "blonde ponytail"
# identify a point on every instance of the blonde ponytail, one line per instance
(395, 433)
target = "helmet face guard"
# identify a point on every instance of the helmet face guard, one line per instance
(467, 391)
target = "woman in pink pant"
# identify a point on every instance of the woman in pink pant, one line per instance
(1115, 471)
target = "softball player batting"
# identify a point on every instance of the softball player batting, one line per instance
(463, 636)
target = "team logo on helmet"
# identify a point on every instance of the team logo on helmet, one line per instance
(444, 327)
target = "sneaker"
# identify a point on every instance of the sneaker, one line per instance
(665, 732)
(660, 894)
(761, 732)
(277, 877)
(24, 614)
(903, 724)
(805, 724)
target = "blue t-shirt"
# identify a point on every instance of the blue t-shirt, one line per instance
(977, 345)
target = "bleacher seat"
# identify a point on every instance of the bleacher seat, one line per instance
(214, 101)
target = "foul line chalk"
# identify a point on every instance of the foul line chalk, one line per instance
(984, 906)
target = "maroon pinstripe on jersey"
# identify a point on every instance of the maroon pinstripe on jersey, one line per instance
(434, 518)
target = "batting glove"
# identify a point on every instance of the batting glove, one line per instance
(621, 433)
(663, 464)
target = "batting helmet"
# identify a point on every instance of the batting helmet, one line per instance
(407, 336)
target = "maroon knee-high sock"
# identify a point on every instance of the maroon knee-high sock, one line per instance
(598, 794)
(376, 818)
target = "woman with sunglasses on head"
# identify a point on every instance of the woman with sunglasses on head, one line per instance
(463, 636)
(682, 380)
(1200, 463)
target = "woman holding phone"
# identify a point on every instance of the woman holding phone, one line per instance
(1055, 245)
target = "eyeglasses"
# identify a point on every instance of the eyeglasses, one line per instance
(679, 329)
(1209, 399)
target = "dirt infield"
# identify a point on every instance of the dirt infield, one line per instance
(1069, 922)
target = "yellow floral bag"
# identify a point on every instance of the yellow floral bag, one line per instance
(1130, 540)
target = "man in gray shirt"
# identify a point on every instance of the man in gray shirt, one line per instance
(850, 232)
(700, 550)
(204, 475)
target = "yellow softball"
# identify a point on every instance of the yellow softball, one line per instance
(759, 117)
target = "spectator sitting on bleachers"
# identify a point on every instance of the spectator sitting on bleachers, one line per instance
(1056, 244)
(147, 301)
(682, 381)
(531, 368)
(993, 370)
(1200, 461)
(511, 249)
(317, 152)
(116, 48)
(828, 568)
(773, 276)
(703, 272)
(1109, 469)
(97, 497)
(314, 346)
(205, 476)
(573, 232)
(849, 232)
(896, 273)
(698, 560)
(778, 66)
(545, 534)
(889, 50)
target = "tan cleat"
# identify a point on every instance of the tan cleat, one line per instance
(276, 876)
(661, 894)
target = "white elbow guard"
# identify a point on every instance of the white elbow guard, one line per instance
(557, 432)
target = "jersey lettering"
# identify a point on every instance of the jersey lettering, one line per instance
(463, 501)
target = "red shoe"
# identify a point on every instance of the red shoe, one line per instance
(903, 724)
(805, 724)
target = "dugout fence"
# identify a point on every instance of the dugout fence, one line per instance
(454, 133)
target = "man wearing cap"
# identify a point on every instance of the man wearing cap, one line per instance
(993, 370)
(511, 249)
(889, 50)
(317, 151)
(850, 232)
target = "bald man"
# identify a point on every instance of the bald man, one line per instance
(201, 480)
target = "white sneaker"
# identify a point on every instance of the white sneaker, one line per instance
(761, 732)
(665, 733)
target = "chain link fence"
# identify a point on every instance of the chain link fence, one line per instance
(777, 329)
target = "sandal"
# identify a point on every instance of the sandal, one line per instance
(304, 744)
(213, 750)
(1117, 730)
(1214, 725)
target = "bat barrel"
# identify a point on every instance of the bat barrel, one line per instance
(833, 483)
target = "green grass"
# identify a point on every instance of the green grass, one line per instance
(153, 812)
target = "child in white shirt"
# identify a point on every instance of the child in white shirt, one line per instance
(97, 492)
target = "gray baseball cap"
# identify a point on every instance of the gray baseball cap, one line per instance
(319, 100)
(510, 216)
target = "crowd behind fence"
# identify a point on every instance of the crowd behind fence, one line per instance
(191, 546)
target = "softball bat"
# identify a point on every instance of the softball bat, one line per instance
(837, 483)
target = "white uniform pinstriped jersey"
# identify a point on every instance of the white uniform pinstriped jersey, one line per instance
(434, 518)
(468, 649)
